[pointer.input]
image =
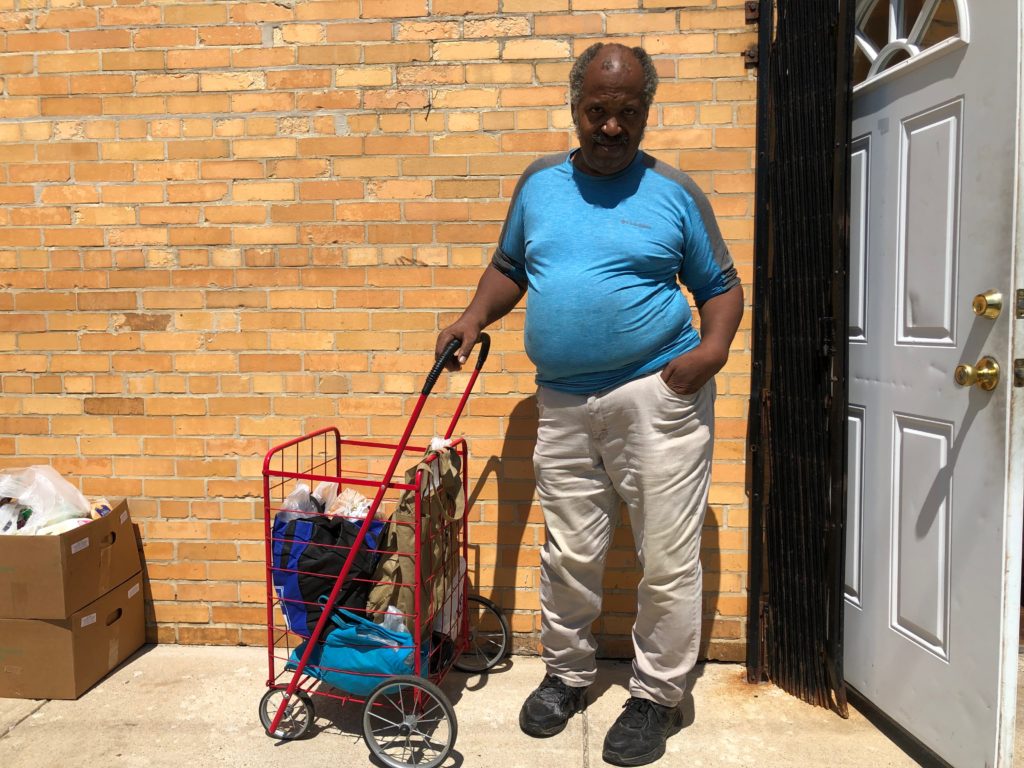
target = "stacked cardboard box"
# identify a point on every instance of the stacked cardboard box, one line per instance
(71, 607)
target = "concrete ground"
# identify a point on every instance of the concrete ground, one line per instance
(173, 706)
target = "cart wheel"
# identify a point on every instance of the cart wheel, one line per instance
(407, 721)
(489, 636)
(297, 718)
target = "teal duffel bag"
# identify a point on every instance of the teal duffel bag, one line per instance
(358, 654)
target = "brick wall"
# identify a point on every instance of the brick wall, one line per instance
(224, 224)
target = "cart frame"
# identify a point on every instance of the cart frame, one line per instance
(319, 457)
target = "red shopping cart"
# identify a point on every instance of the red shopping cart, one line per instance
(367, 597)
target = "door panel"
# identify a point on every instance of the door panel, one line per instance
(921, 552)
(859, 162)
(854, 509)
(933, 209)
(929, 202)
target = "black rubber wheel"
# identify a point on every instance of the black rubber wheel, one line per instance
(490, 639)
(297, 718)
(408, 721)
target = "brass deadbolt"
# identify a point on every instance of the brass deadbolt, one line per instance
(988, 304)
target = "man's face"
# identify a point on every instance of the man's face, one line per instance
(610, 116)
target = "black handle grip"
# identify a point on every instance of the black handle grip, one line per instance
(485, 347)
(439, 364)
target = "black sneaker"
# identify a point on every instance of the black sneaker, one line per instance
(546, 711)
(638, 736)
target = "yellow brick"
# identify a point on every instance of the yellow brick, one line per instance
(263, 147)
(679, 44)
(534, 6)
(718, 19)
(499, 73)
(568, 24)
(195, 613)
(469, 98)
(461, 7)
(266, 190)
(497, 27)
(331, 9)
(396, 53)
(424, 30)
(535, 49)
(232, 81)
(465, 121)
(632, 23)
(430, 75)
(465, 50)
(363, 76)
(718, 66)
(68, 62)
(378, 9)
(304, 34)
(735, 137)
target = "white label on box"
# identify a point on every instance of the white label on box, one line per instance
(124, 516)
(78, 546)
(133, 591)
(90, 619)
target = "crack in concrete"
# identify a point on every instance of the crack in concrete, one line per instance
(586, 739)
(22, 720)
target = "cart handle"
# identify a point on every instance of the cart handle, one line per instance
(439, 364)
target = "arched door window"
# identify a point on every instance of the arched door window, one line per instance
(894, 35)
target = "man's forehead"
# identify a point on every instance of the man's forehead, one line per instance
(617, 68)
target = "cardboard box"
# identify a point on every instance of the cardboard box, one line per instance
(61, 659)
(52, 577)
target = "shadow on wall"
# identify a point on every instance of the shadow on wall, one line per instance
(513, 565)
(518, 527)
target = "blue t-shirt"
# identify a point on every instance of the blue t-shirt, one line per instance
(600, 257)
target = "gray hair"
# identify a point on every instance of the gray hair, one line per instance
(579, 70)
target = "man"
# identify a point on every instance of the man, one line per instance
(598, 238)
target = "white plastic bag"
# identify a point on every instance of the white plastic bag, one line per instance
(50, 497)
(324, 496)
(447, 619)
(352, 504)
(298, 504)
(394, 620)
(12, 516)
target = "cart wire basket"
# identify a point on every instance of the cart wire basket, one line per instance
(367, 584)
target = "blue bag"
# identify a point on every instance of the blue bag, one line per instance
(308, 555)
(357, 655)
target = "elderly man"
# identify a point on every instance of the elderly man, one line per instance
(599, 238)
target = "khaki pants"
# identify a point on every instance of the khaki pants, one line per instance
(651, 448)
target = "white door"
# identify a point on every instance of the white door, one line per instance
(935, 499)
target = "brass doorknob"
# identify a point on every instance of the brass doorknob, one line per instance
(987, 304)
(985, 374)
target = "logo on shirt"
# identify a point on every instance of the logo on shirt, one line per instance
(637, 224)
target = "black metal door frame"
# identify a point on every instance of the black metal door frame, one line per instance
(796, 461)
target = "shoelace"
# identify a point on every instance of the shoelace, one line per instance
(553, 690)
(638, 712)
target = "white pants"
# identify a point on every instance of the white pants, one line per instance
(651, 448)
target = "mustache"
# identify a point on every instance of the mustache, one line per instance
(607, 141)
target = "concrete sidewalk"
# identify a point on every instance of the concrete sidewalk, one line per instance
(174, 706)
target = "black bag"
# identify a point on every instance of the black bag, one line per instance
(308, 555)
